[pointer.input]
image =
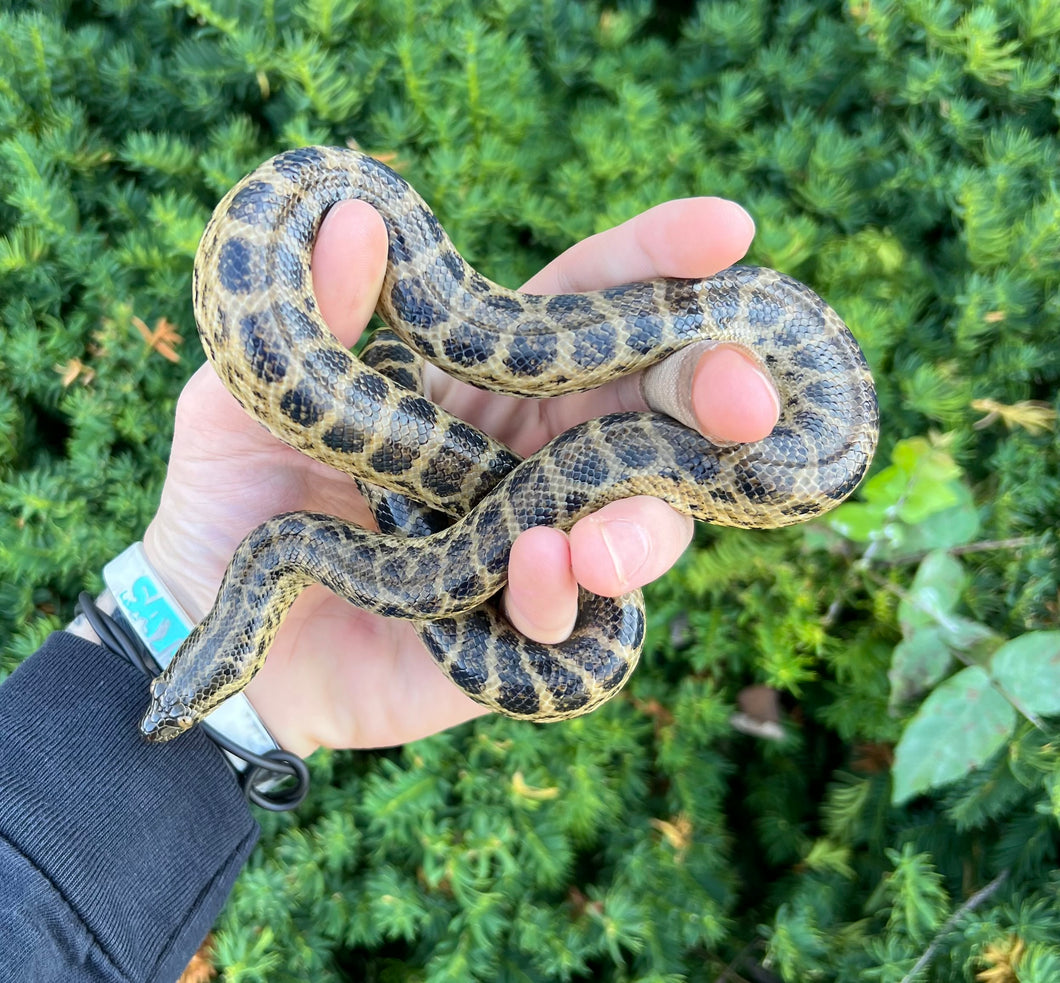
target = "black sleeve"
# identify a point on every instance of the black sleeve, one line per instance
(115, 854)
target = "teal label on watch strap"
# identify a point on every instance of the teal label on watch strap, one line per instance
(152, 616)
(147, 606)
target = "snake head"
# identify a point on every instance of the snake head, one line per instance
(167, 716)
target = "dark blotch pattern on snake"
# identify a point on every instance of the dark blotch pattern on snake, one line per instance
(261, 329)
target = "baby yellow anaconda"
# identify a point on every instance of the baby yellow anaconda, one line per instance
(264, 335)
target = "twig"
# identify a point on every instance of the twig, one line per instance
(983, 546)
(869, 556)
(970, 905)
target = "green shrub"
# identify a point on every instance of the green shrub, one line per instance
(900, 156)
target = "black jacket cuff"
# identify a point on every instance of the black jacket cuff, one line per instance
(125, 850)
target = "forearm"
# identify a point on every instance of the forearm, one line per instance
(115, 855)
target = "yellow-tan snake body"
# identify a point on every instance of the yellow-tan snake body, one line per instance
(261, 329)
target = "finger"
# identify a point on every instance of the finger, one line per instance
(690, 237)
(349, 259)
(732, 398)
(541, 599)
(721, 390)
(348, 262)
(627, 544)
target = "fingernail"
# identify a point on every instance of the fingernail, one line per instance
(727, 381)
(750, 222)
(762, 377)
(628, 546)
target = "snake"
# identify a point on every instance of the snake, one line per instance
(263, 333)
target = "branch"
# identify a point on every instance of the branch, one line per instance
(970, 905)
(983, 546)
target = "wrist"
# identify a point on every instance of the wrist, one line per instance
(178, 572)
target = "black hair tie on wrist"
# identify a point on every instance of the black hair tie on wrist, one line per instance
(262, 771)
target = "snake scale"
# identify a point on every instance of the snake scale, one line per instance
(261, 330)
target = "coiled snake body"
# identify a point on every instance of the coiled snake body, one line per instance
(261, 330)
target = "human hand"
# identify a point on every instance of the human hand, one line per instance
(342, 677)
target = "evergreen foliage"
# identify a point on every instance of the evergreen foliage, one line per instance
(899, 155)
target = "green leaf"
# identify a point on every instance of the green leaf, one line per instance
(859, 521)
(919, 662)
(940, 579)
(920, 481)
(953, 526)
(1028, 669)
(926, 497)
(957, 728)
(917, 504)
(972, 638)
(924, 656)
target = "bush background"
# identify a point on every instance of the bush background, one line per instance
(901, 157)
